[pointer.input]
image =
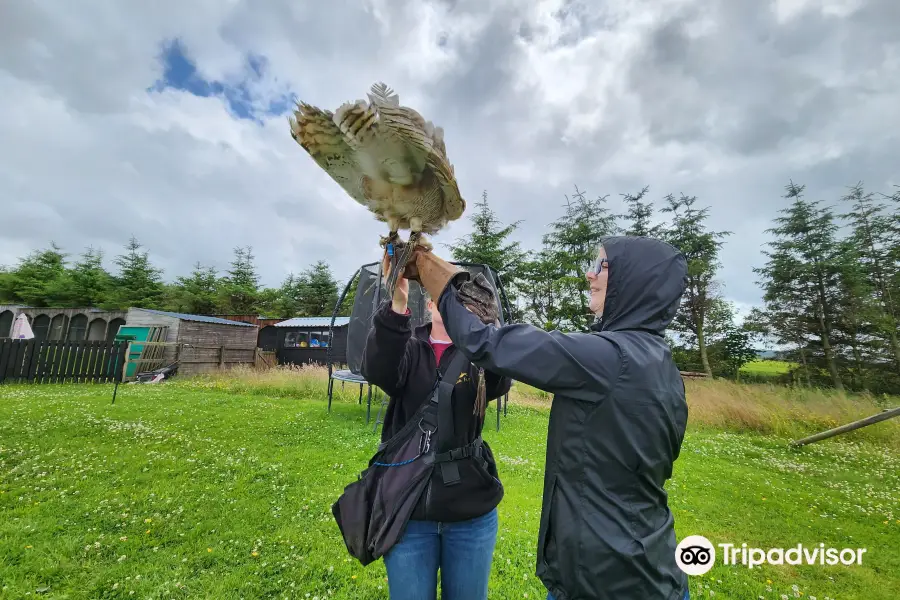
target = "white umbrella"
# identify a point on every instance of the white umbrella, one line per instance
(21, 329)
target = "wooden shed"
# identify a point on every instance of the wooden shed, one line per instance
(199, 343)
(304, 340)
(268, 336)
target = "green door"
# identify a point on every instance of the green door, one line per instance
(133, 334)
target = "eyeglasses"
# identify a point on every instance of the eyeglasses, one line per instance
(597, 268)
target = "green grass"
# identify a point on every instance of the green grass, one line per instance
(767, 367)
(211, 490)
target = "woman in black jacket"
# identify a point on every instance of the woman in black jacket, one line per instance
(617, 420)
(453, 528)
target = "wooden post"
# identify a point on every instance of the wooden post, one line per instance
(221, 357)
(888, 413)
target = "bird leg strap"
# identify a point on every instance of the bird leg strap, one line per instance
(434, 274)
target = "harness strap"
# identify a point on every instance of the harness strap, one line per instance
(445, 430)
(474, 449)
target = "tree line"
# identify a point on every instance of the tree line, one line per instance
(48, 278)
(830, 282)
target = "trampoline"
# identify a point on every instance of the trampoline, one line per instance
(370, 293)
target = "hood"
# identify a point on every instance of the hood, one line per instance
(646, 280)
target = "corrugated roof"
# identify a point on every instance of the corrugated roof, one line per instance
(198, 318)
(313, 322)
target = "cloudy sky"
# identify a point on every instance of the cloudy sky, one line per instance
(168, 120)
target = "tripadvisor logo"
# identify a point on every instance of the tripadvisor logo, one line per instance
(696, 555)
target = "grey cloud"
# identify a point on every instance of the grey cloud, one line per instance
(752, 84)
(484, 73)
(727, 116)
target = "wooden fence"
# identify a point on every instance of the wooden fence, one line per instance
(265, 359)
(33, 361)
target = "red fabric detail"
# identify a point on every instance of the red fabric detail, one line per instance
(439, 348)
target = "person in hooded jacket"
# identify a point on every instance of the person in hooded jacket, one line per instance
(453, 527)
(617, 420)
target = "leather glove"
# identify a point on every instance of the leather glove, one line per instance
(435, 274)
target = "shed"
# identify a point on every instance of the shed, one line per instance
(267, 338)
(199, 343)
(305, 340)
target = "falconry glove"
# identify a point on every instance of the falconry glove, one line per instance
(434, 274)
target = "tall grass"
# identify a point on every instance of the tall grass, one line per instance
(785, 411)
(713, 404)
(290, 381)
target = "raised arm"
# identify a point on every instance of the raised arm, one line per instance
(576, 365)
(385, 356)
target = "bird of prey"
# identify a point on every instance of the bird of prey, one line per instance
(388, 158)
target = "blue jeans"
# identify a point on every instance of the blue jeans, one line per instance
(462, 551)
(687, 595)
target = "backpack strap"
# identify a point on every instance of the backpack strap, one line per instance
(444, 399)
(473, 449)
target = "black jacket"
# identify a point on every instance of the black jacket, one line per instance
(402, 363)
(616, 427)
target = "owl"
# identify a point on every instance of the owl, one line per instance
(388, 158)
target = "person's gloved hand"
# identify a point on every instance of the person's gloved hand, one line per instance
(434, 274)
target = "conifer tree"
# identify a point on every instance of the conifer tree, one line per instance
(138, 283)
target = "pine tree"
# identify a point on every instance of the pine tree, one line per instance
(269, 304)
(488, 245)
(688, 233)
(197, 293)
(138, 283)
(239, 288)
(801, 270)
(87, 283)
(283, 302)
(318, 291)
(871, 241)
(639, 216)
(857, 314)
(36, 280)
(541, 291)
(573, 243)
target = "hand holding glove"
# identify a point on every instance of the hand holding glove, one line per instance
(435, 274)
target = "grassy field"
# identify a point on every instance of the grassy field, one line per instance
(222, 489)
(767, 367)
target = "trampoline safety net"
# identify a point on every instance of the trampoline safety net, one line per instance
(371, 293)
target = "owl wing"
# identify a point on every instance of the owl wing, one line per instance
(314, 129)
(381, 155)
(422, 143)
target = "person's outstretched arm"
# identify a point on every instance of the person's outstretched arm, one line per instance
(577, 365)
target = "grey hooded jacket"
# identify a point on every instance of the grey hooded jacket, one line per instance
(616, 426)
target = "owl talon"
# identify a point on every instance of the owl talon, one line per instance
(423, 242)
(391, 238)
